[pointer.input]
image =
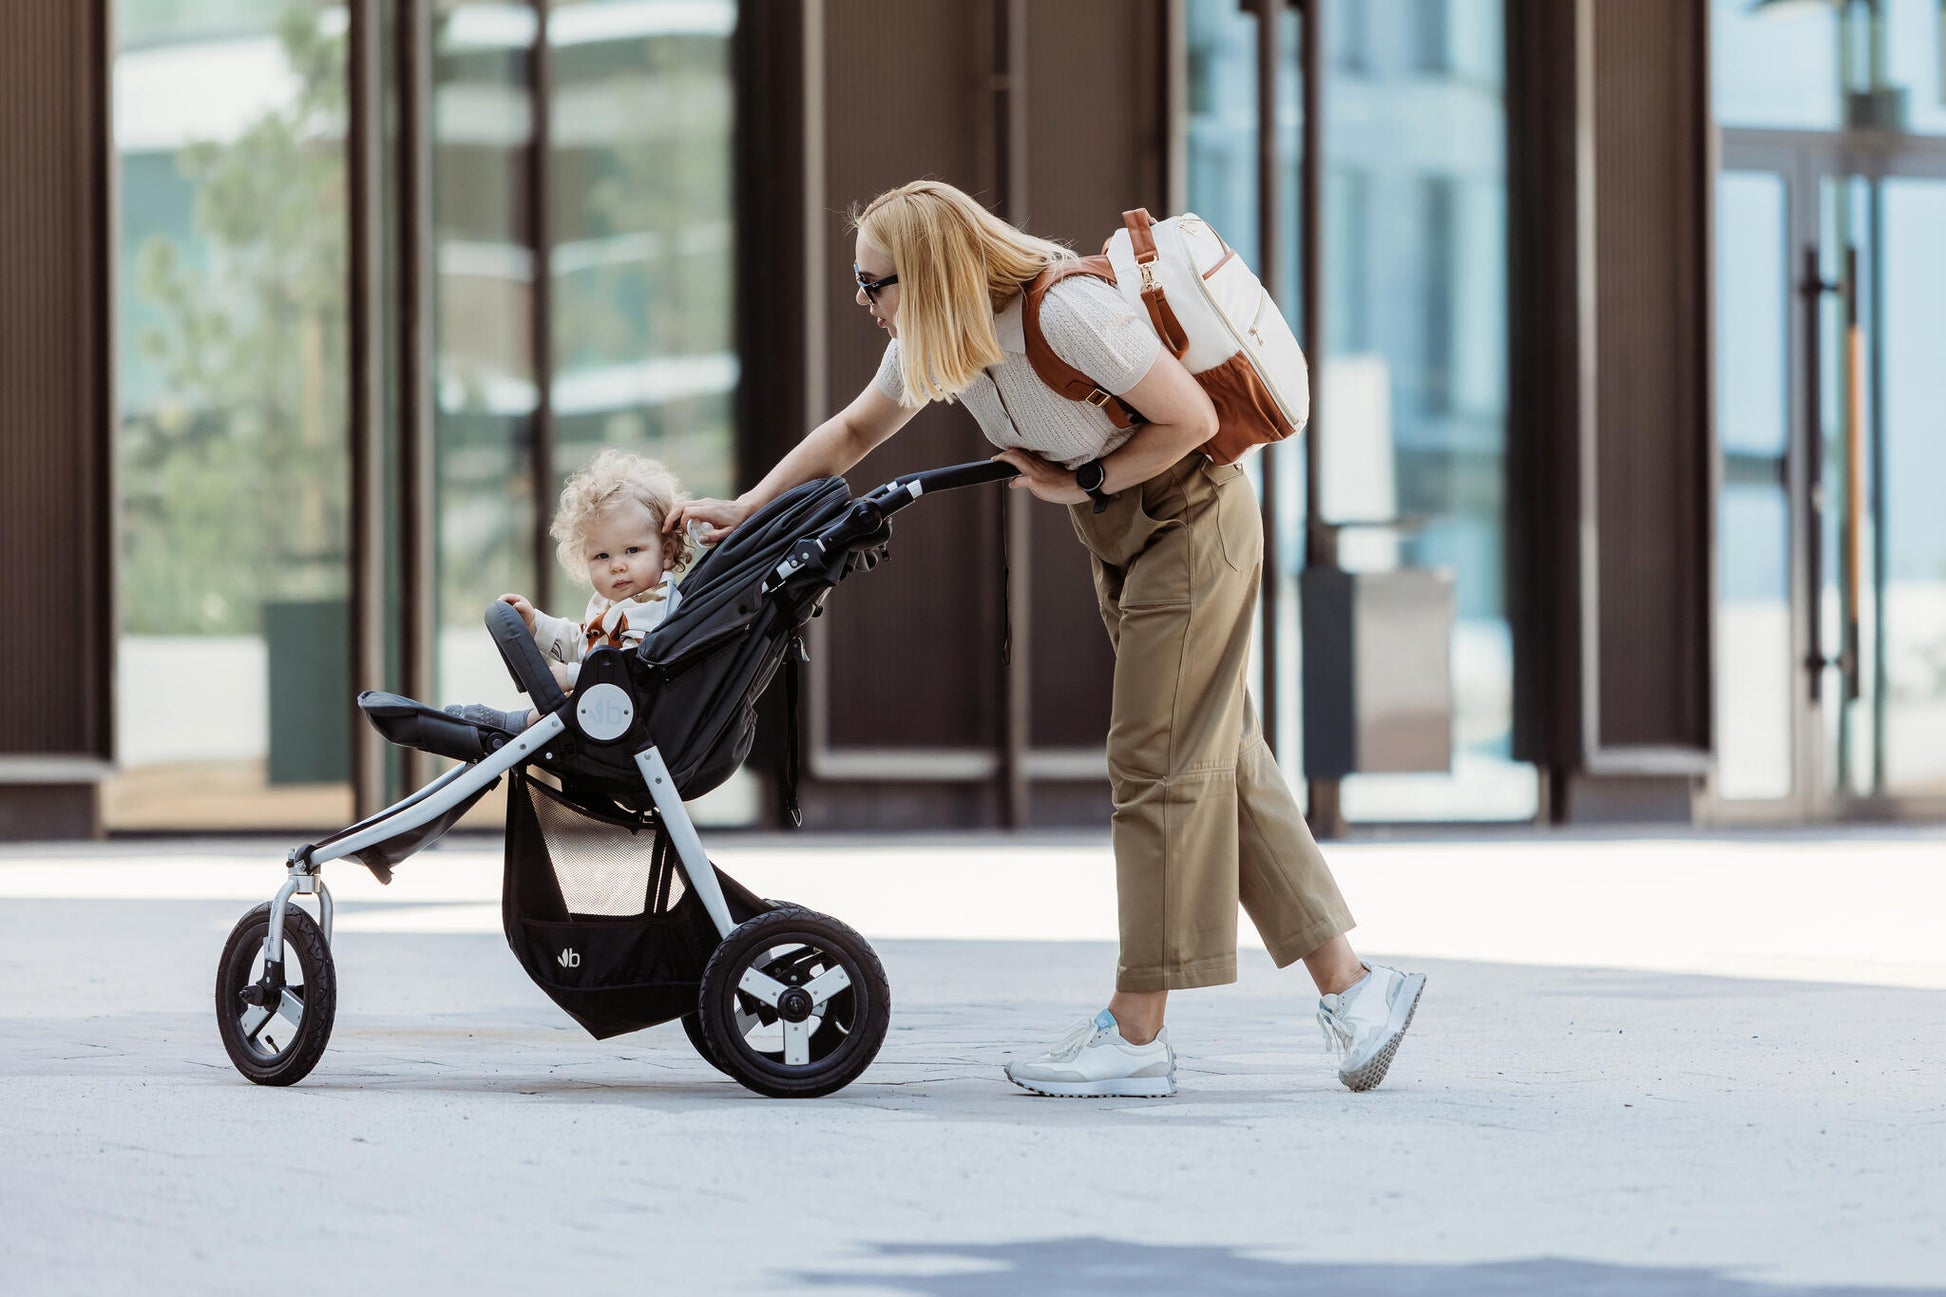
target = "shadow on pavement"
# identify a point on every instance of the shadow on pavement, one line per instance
(1081, 1266)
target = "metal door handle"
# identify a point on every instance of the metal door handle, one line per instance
(1854, 473)
(1814, 286)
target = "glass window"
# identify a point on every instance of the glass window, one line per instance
(233, 640)
(1221, 43)
(1414, 361)
(1753, 614)
(1910, 663)
(1915, 61)
(1221, 144)
(643, 256)
(484, 395)
(1412, 368)
(1823, 64)
(1775, 66)
(642, 208)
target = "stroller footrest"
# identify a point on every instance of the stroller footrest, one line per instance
(412, 724)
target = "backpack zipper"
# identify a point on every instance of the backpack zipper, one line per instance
(1263, 297)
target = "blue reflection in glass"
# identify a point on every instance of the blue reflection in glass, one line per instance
(1413, 361)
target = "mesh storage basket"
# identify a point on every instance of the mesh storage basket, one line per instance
(596, 910)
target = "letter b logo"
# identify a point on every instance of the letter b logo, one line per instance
(605, 712)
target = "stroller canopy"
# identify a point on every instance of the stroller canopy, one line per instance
(710, 661)
(724, 590)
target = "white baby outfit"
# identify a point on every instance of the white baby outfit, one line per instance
(621, 624)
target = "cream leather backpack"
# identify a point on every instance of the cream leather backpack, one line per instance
(1210, 311)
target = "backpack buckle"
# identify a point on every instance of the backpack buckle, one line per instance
(1098, 398)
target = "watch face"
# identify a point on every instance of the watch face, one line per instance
(1090, 475)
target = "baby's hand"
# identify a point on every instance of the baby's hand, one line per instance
(561, 676)
(521, 606)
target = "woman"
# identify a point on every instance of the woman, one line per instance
(1202, 816)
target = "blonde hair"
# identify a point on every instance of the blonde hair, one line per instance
(614, 477)
(957, 265)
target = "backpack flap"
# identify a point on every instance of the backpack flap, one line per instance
(1210, 309)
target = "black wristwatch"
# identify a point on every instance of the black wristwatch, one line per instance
(1089, 477)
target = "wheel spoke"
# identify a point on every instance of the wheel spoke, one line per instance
(746, 1022)
(761, 986)
(253, 1021)
(797, 1043)
(291, 1007)
(828, 983)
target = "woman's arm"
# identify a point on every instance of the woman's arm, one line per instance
(1180, 418)
(831, 448)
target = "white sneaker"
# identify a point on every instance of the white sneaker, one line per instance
(1093, 1061)
(1365, 1023)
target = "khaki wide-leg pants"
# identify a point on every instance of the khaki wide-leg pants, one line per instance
(1203, 818)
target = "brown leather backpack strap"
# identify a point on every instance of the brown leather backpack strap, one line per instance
(1141, 241)
(1052, 370)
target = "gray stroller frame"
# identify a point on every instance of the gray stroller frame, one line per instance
(809, 985)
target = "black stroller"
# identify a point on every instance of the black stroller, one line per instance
(608, 900)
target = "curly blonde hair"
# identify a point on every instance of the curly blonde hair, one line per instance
(613, 477)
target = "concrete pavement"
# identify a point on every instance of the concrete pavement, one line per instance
(1644, 1066)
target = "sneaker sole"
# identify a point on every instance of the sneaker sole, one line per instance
(1368, 1076)
(1130, 1087)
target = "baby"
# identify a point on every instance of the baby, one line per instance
(609, 529)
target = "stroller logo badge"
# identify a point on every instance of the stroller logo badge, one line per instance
(569, 958)
(605, 712)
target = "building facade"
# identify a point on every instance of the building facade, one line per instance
(1616, 503)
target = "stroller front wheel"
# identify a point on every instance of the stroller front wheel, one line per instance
(794, 1004)
(274, 1027)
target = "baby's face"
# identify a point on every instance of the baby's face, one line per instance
(625, 552)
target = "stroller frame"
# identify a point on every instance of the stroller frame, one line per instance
(603, 713)
(459, 784)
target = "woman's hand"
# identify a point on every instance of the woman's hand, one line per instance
(521, 606)
(714, 519)
(1046, 479)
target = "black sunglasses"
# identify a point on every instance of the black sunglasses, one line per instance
(871, 286)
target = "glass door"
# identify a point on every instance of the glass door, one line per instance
(1760, 624)
(1889, 721)
(1831, 423)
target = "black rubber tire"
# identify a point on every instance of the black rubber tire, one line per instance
(293, 1062)
(692, 1023)
(692, 1027)
(851, 1033)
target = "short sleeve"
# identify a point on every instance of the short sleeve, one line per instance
(1088, 324)
(890, 379)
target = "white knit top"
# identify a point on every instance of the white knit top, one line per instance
(1087, 324)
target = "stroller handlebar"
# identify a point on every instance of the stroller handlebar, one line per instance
(977, 473)
(864, 523)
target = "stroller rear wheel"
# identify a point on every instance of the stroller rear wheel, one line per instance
(794, 1004)
(275, 1026)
